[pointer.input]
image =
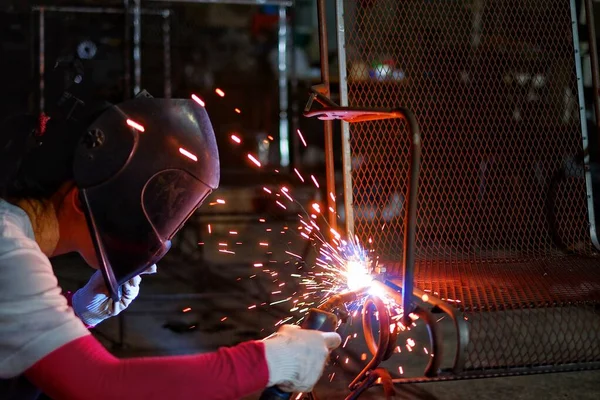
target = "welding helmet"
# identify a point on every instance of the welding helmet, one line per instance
(142, 168)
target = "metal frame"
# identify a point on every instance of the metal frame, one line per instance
(282, 62)
(284, 3)
(331, 111)
(583, 122)
(403, 290)
(136, 12)
(589, 12)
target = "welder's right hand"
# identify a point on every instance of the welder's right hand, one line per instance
(296, 357)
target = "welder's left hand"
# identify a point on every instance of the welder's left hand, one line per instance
(93, 304)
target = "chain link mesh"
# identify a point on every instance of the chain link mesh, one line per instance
(502, 213)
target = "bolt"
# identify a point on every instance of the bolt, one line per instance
(94, 138)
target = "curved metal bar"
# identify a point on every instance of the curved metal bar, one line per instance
(380, 348)
(460, 325)
(410, 222)
(462, 329)
(384, 327)
(435, 340)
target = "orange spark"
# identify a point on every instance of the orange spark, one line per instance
(236, 139)
(135, 125)
(299, 176)
(198, 100)
(220, 92)
(188, 154)
(254, 160)
(314, 181)
(301, 137)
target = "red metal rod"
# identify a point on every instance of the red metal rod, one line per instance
(327, 125)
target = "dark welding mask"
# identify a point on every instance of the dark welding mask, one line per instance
(143, 167)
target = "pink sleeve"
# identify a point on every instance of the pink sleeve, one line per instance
(83, 369)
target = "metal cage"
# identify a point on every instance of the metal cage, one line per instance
(505, 224)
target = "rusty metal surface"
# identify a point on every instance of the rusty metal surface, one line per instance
(503, 206)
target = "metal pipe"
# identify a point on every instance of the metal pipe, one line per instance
(137, 54)
(593, 45)
(284, 142)
(126, 52)
(346, 149)
(42, 57)
(379, 348)
(93, 10)
(327, 125)
(410, 220)
(166, 28)
(286, 3)
(294, 110)
(584, 133)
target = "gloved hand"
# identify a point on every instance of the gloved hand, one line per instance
(92, 303)
(296, 357)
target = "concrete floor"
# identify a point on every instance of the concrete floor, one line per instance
(215, 285)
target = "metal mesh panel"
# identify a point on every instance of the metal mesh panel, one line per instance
(503, 217)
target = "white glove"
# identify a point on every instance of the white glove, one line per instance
(296, 357)
(92, 303)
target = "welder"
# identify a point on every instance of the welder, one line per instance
(115, 183)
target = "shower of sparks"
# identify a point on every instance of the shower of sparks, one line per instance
(295, 281)
(254, 160)
(198, 100)
(301, 138)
